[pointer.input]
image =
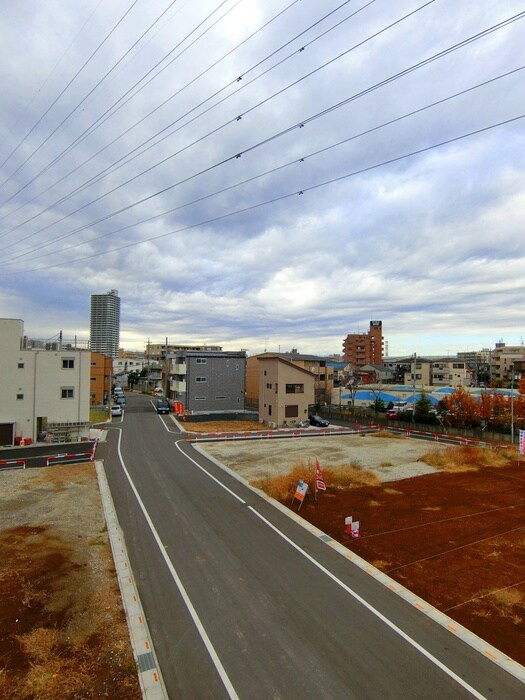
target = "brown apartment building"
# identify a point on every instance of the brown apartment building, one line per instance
(361, 349)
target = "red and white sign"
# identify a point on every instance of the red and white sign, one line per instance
(319, 478)
(522, 442)
(355, 529)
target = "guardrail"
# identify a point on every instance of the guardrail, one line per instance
(441, 437)
(70, 458)
(281, 433)
(13, 464)
(334, 431)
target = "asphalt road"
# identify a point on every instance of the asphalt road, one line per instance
(241, 601)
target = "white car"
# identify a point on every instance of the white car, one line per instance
(116, 410)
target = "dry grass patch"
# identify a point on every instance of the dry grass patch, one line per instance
(508, 598)
(225, 426)
(282, 486)
(467, 458)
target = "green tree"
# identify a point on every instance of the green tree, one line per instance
(423, 408)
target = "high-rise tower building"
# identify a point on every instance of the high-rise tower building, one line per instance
(104, 327)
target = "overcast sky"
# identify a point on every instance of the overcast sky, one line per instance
(265, 174)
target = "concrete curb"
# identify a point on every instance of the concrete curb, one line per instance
(150, 677)
(495, 655)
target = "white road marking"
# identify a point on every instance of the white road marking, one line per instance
(198, 624)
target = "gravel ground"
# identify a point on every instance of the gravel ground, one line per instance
(390, 459)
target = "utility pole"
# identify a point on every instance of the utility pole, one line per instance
(414, 391)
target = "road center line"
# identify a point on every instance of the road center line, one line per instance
(373, 610)
(198, 624)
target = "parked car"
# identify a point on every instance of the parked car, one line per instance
(163, 406)
(116, 410)
(120, 400)
(318, 422)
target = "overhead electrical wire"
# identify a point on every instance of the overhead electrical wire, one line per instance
(297, 125)
(109, 113)
(229, 188)
(48, 78)
(66, 150)
(232, 121)
(282, 197)
(62, 92)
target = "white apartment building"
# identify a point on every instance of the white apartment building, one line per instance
(41, 391)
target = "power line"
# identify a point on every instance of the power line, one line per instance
(86, 132)
(109, 113)
(271, 171)
(93, 54)
(251, 109)
(288, 195)
(275, 136)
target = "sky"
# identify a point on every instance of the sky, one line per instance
(265, 174)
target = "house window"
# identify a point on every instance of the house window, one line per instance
(201, 360)
(220, 398)
(270, 410)
(200, 398)
(268, 386)
(295, 388)
(291, 411)
(68, 363)
(67, 392)
(201, 379)
(20, 365)
(19, 397)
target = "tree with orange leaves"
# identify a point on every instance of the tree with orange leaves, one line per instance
(464, 410)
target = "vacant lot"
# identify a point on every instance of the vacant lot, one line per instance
(63, 631)
(455, 538)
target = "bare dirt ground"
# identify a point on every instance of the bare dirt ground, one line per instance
(63, 631)
(455, 539)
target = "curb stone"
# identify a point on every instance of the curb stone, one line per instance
(149, 675)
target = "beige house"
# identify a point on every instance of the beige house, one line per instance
(449, 372)
(317, 366)
(503, 362)
(285, 391)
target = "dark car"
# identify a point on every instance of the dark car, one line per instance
(318, 422)
(163, 406)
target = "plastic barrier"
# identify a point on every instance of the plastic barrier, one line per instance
(13, 464)
(70, 458)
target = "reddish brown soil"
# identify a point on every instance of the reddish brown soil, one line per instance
(63, 631)
(455, 539)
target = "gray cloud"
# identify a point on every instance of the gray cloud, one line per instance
(203, 245)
